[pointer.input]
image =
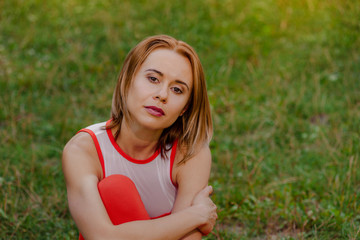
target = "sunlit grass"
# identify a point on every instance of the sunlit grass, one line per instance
(284, 85)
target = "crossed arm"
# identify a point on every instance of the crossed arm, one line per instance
(193, 208)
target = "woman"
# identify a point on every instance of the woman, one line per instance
(144, 173)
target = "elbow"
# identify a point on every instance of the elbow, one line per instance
(99, 232)
(112, 232)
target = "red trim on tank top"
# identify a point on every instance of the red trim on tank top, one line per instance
(97, 146)
(127, 157)
(172, 160)
(162, 215)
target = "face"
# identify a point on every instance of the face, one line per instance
(160, 90)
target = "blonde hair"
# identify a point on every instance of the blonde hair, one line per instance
(194, 128)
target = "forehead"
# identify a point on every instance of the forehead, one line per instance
(172, 64)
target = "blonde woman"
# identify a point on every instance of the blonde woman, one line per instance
(143, 174)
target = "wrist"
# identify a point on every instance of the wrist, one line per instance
(205, 229)
(195, 212)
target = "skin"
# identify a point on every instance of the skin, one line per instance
(165, 81)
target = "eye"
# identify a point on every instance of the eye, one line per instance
(153, 79)
(177, 90)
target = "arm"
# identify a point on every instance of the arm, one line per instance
(192, 177)
(82, 172)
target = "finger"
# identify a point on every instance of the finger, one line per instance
(212, 193)
(204, 192)
(207, 191)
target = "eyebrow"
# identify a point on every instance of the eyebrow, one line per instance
(161, 74)
(154, 70)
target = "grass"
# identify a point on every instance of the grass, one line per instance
(284, 85)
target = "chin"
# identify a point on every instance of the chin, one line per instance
(156, 125)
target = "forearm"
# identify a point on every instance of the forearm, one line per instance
(193, 235)
(173, 226)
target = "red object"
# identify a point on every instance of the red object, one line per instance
(121, 200)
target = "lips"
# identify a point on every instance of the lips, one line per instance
(155, 111)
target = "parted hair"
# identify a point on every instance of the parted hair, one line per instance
(193, 129)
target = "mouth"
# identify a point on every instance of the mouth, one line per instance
(155, 111)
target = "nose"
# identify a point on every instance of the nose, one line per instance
(162, 94)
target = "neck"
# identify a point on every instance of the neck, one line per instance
(137, 142)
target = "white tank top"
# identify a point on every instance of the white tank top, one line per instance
(152, 176)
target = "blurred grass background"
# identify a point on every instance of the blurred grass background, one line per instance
(284, 84)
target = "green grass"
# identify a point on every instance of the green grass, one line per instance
(284, 85)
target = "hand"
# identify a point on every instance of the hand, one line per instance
(208, 210)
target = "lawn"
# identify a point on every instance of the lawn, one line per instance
(283, 79)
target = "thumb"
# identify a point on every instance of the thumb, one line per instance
(207, 191)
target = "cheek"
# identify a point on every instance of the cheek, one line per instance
(144, 88)
(137, 90)
(179, 106)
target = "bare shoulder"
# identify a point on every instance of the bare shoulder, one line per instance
(198, 165)
(202, 156)
(80, 142)
(80, 156)
(79, 145)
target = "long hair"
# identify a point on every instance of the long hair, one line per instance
(194, 128)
